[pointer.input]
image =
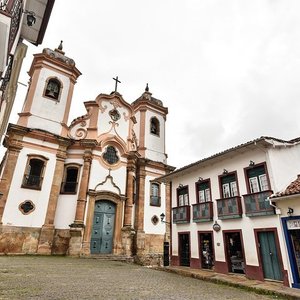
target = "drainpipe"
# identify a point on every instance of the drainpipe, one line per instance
(277, 209)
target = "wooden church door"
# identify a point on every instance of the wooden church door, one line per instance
(103, 227)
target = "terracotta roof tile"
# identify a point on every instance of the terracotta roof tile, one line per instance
(292, 189)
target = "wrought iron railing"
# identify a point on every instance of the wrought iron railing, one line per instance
(203, 212)
(3, 5)
(32, 181)
(181, 214)
(155, 200)
(14, 9)
(229, 208)
(5, 79)
(68, 187)
(257, 204)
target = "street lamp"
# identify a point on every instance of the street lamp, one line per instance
(162, 217)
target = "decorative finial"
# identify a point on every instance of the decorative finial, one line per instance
(147, 88)
(60, 47)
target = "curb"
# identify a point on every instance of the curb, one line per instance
(288, 295)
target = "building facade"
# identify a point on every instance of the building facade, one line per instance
(287, 202)
(19, 20)
(222, 216)
(87, 188)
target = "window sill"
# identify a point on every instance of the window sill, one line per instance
(38, 188)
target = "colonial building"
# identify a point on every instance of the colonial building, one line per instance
(223, 218)
(287, 203)
(19, 20)
(88, 188)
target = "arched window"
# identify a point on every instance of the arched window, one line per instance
(154, 126)
(53, 88)
(34, 172)
(155, 194)
(70, 180)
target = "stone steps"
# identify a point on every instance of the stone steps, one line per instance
(110, 257)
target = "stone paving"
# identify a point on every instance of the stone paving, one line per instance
(39, 277)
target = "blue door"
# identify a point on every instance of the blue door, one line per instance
(103, 227)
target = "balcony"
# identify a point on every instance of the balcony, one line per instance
(68, 187)
(203, 212)
(32, 182)
(181, 214)
(229, 208)
(155, 200)
(256, 204)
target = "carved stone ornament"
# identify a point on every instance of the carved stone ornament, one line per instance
(155, 220)
(115, 115)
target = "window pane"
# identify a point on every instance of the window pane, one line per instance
(233, 188)
(254, 188)
(201, 196)
(263, 181)
(180, 200)
(207, 194)
(226, 191)
(186, 199)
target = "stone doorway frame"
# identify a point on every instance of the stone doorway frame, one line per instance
(119, 201)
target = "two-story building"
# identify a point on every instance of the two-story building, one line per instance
(222, 217)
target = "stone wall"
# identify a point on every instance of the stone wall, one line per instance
(18, 240)
(152, 254)
(61, 241)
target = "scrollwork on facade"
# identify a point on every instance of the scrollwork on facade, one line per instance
(78, 127)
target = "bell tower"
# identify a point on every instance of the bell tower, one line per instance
(47, 104)
(151, 116)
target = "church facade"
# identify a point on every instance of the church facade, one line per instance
(87, 188)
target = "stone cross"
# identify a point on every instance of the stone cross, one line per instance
(117, 81)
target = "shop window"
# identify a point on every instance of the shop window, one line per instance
(70, 180)
(53, 88)
(34, 172)
(229, 186)
(154, 126)
(155, 194)
(257, 179)
(182, 196)
(203, 191)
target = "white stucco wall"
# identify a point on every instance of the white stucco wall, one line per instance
(66, 204)
(151, 211)
(12, 215)
(47, 114)
(105, 121)
(99, 174)
(155, 144)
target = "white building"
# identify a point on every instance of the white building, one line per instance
(19, 20)
(87, 188)
(287, 202)
(222, 218)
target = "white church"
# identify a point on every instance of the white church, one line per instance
(89, 187)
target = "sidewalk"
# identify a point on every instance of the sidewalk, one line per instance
(236, 280)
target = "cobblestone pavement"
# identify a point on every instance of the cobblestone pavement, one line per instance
(36, 277)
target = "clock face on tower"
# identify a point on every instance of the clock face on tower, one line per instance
(115, 115)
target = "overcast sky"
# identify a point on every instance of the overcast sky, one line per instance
(228, 71)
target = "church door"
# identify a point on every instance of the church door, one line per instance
(103, 227)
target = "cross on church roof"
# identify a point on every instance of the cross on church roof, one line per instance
(117, 81)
